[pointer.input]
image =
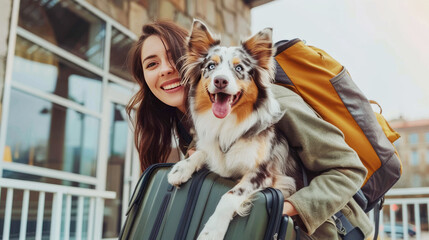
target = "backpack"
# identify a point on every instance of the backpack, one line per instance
(328, 88)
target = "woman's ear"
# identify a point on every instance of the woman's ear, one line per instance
(260, 47)
(200, 40)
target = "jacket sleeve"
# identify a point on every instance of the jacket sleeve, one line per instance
(323, 151)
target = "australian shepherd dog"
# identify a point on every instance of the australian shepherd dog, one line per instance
(234, 114)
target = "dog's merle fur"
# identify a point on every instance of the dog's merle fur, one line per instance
(241, 140)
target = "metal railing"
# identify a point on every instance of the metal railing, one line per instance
(405, 211)
(60, 221)
(405, 214)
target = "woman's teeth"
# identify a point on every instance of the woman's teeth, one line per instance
(171, 86)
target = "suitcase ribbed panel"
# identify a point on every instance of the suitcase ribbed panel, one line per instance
(160, 212)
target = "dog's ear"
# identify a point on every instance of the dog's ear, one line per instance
(200, 40)
(260, 47)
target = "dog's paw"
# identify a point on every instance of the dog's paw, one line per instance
(212, 234)
(180, 173)
(215, 228)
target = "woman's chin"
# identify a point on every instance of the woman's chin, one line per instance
(174, 98)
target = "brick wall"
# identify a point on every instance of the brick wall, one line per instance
(229, 18)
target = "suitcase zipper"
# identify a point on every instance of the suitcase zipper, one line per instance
(160, 217)
(138, 194)
(188, 210)
(144, 179)
(275, 211)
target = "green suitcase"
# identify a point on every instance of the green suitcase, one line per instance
(160, 211)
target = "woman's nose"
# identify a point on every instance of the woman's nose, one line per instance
(167, 69)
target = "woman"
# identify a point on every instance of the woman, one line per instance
(161, 100)
(332, 165)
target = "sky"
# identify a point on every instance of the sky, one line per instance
(384, 44)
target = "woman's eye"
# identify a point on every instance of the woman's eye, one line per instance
(211, 66)
(238, 68)
(151, 65)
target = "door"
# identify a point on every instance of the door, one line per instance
(123, 169)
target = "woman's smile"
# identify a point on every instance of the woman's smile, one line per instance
(172, 85)
(161, 74)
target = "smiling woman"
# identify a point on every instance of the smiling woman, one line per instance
(161, 74)
(161, 100)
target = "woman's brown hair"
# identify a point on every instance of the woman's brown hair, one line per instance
(154, 119)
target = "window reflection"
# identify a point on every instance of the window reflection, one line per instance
(67, 25)
(120, 46)
(45, 134)
(39, 68)
(413, 138)
(120, 89)
(115, 170)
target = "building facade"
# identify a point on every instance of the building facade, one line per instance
(413, 149)
(69, 163)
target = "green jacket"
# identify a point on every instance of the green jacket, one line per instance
(335, 169)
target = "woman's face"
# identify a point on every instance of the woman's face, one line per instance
(160, 75)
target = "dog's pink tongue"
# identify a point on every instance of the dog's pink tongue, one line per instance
(221, 107)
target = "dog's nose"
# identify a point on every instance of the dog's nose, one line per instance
(220, 83)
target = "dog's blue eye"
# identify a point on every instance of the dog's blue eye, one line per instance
(238, 68)
(211, 66)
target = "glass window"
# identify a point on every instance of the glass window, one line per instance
(414, 158)
(416, 180)
(427, 156)
(115, 170)
(45, 134)
(120, 46)
(413, 138)
(39, 68)
(67, 25)
(125, 91)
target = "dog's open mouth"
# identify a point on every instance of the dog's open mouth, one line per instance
(222, 103)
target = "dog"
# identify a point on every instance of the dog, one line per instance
(234, 114)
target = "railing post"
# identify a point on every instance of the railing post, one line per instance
(99, 218)
(79, 220)
(67, 217)
(405, 220)
(24, 215)
(392, 223)
(417, 219)
(40, 214)
(91, 214)
(57, 204)
(8, 213)
(95, 214)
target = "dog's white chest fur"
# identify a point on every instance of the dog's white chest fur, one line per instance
(227, 155)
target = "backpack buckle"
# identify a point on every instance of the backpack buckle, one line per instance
(340, 228)
(381, 203)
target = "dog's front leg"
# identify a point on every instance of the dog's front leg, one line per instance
(182, 171)
(237, 200)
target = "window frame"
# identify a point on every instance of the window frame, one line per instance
(104, 73)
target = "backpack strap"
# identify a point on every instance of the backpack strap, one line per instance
(377, 209)
(346, 230)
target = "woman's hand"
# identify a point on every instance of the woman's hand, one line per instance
(289, 209)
